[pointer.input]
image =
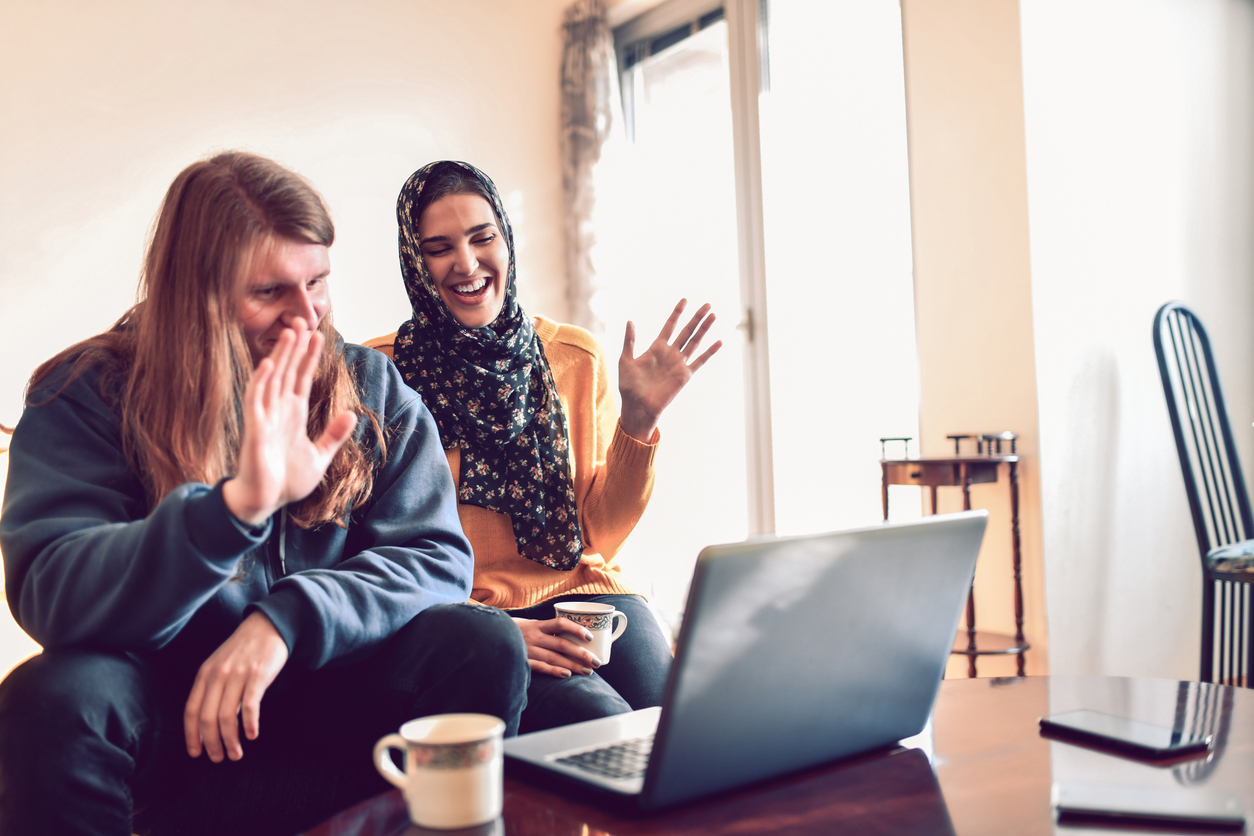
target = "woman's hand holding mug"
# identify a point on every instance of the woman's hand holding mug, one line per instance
(549, 653)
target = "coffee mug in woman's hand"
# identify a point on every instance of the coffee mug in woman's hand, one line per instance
(597, 619)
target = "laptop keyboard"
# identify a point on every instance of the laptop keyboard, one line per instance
(621, 760)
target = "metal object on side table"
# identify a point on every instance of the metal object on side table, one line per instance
(963, 470)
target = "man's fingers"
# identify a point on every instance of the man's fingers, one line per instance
(258, 386)
(296, 362)
(207, 720)
(191, 717)
(228, 718)
(309, 365)
(280, 356)
(229, 687)
(336, 433)
(250, 708)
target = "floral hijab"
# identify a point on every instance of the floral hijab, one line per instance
(492, 394)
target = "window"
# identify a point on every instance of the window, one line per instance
(666, 229)
(787, 209)
(839, 272)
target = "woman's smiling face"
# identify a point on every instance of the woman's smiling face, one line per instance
(467, 257)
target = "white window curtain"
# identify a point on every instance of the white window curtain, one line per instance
(589, 104)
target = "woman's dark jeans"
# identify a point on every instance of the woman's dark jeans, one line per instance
(86, 736)
(634, 678)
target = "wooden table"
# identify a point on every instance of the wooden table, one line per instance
(990, 772)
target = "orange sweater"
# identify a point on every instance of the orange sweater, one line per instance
(613, 482)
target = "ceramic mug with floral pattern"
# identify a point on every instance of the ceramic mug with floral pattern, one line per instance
(597, 619)
(454, 769)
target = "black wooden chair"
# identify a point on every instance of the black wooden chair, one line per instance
(1216, 489)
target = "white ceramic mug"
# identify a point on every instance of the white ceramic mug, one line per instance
(597, 619)
(454, 769)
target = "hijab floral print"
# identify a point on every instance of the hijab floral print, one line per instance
(492, 394)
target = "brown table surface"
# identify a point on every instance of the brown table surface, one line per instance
(990, 771)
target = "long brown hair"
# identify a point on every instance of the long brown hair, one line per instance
(177, 362)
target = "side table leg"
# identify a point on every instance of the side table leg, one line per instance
(884, 488)
(1018, 573)
(965, 479)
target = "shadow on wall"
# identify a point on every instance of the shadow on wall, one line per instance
(1089, 499)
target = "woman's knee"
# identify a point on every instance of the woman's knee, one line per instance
(553, 702)
(641, 660)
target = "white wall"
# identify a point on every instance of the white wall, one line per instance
(103, 103)
(1140, 148)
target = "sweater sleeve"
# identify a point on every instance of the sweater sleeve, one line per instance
(622, 470)
(404, 552)
(84, 561)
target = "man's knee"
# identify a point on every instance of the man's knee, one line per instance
(461, 657)
(62, 689)
(76, 733)
(481, 636)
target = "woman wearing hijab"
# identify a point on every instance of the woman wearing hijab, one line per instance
(550, 479)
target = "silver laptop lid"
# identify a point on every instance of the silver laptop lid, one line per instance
(800, 650)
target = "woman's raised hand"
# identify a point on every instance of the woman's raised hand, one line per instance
(278, 462)
(649, 383)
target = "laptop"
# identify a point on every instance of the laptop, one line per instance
(794, 651)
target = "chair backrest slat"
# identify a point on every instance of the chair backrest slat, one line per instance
(1213, 481)
(1212, 472)
(1186, 364)
(1226, 523)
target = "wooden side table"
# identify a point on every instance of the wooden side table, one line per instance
(961, 470)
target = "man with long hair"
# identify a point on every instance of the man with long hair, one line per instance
(217, 512)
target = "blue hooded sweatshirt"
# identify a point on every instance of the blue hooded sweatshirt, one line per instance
(87, 564)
